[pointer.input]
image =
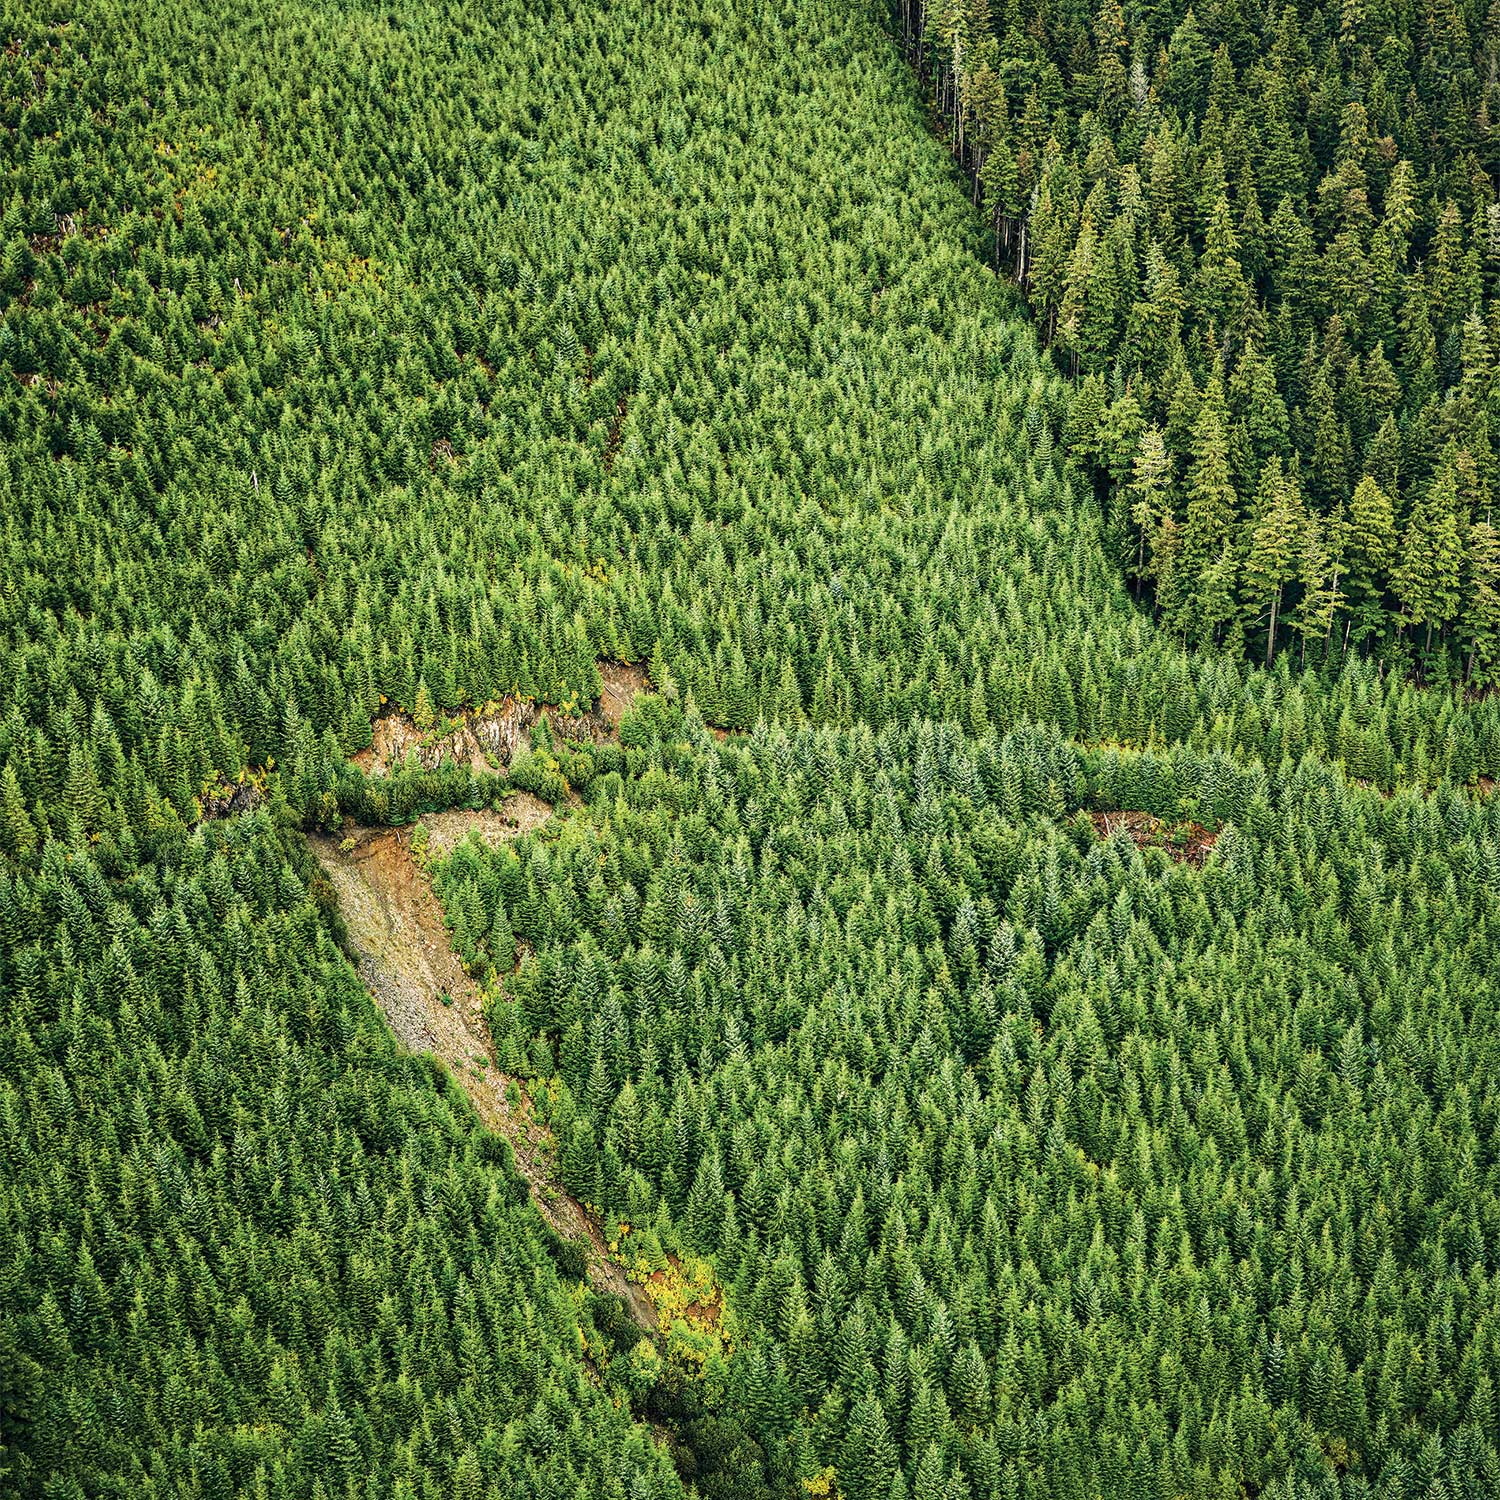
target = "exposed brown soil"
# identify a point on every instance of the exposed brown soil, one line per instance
(487, 738)
(612, 442)
(622, 681)
(403, 953)
(1187, 843)
(520, 813)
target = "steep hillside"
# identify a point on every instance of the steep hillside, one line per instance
(1035, 1163)
(372, 376)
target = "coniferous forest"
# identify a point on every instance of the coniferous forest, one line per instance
(1016, 995)
(1268, 244)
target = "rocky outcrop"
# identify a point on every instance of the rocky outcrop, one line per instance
(487, 738)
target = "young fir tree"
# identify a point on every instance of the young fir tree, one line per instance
(1479, 620)
(1372, 548)
(1205, 559)
(1150, 502)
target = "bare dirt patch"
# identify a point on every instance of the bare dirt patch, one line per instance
(612, 443)
(400, 941)
(520, 813)
(621, 682)
(1187, 843)
(402, 950)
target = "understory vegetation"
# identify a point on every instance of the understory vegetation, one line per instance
(358, 359)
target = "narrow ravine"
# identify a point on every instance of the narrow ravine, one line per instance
(401, 948)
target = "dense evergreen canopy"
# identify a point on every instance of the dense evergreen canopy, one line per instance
(1267, 239)
(358, 357)
(1039, 1165)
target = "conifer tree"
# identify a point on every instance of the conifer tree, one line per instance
(1276, 548)
(1150, 506)
(1206, 558)
(15, 820)
(1482, 595)
(1427, 570)
(1372, 548)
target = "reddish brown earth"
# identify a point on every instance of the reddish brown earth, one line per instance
(621, 682)
(1187, 843)
(402, 950)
